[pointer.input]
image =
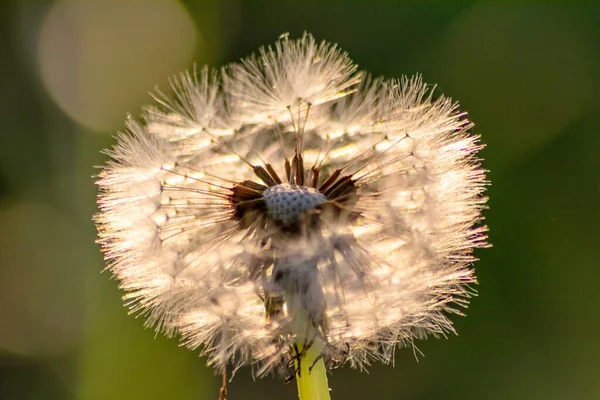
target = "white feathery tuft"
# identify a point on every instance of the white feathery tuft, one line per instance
(288, 198)
(291, 74)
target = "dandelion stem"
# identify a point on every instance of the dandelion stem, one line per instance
(312, 380)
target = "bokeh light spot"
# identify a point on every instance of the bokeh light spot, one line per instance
(99, 59)
(40, 281)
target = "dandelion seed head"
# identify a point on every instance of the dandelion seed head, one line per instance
(288, 198)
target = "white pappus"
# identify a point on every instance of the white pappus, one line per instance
(290, 198)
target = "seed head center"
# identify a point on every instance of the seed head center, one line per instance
(286, 202)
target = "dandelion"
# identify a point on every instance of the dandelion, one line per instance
(291, 214)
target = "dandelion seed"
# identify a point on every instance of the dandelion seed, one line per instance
(289, 203)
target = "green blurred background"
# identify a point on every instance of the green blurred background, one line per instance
(527, 74)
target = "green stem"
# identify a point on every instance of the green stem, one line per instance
(312, 385)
